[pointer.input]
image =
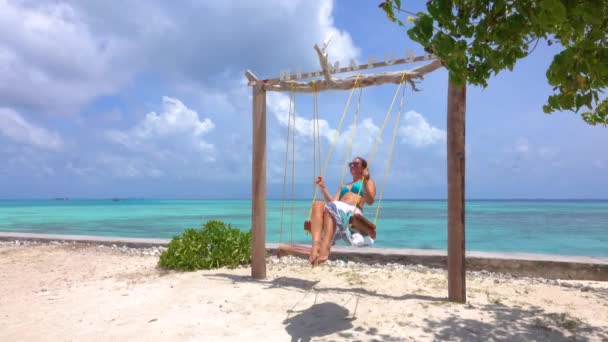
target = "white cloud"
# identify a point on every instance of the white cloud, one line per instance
(125, 167)
(522, 148)
(18, 129)
(341, 47)
(49, 59)
(548, 152)
(175, 131)
(59, 55)
(363, 140)
(418, 132)
(278, 104)
(522, 155)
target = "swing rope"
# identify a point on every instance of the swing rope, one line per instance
(386, 118)
(336, 135)
(352, 136)
(316, 137)
(317, 144)
(390, 154)
(291, 103)
(395, 129)
(293, 162)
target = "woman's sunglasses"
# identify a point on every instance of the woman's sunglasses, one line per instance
(351, 164)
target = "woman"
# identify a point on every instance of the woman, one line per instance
(329, 220)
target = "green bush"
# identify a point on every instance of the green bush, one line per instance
(215, 245)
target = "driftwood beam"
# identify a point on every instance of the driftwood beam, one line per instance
(349, 83)
(250, 76)
(334, 71)
(324, 64)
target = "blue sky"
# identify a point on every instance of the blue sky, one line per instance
(150, 100)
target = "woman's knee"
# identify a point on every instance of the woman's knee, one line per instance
(327, 218)
(318, 208)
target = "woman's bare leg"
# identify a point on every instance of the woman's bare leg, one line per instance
(316, 228)
(329, 226)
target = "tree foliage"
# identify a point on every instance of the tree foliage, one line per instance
(476, 39)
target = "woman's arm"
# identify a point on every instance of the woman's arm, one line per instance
(370, 191)
(337, 195)
(321, 185)
(370, 188)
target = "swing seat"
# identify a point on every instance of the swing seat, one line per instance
(307, 225)
(357, 222)
(294, 250)
(362, 225)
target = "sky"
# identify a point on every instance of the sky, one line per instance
(149, 100)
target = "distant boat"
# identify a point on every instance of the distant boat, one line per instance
(61, 199)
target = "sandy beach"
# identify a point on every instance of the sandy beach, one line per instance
(63, 292)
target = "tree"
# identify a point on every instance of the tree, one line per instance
(476, 39)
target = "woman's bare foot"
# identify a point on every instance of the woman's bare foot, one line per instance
(322, 257)
(314, 251)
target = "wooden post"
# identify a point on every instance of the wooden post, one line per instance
(456, 192)
(258, 189)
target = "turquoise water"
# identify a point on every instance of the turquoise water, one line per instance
(547, 227)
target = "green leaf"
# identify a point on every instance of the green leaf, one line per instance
(501, 32)
(216, 244)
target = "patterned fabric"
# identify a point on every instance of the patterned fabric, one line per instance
(341, 212)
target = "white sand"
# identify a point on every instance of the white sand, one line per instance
(76, 292)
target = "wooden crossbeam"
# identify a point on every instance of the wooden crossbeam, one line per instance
(328, 82)
(367, 66)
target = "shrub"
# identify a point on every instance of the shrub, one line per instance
(215, 245)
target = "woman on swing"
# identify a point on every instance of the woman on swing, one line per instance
(330, 219)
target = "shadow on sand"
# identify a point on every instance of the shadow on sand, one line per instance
(515, 324)
(322, 319)
(307, 285)
(507, 323)
(318, 320)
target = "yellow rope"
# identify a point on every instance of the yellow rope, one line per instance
(316, 140)
(293, 164)
(388, 115)
(334, 141)
(352, 136)
(390, 153)
(291, 99)
(314, 135)
(316, 129)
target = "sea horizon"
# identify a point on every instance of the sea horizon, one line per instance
(541, 226)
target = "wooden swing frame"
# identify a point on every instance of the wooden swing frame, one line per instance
(456, 107)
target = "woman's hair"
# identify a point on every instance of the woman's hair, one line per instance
(364, 166)
(363, 162)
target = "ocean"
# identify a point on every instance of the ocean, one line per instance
(563, 227)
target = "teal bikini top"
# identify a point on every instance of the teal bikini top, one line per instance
(355, 188)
